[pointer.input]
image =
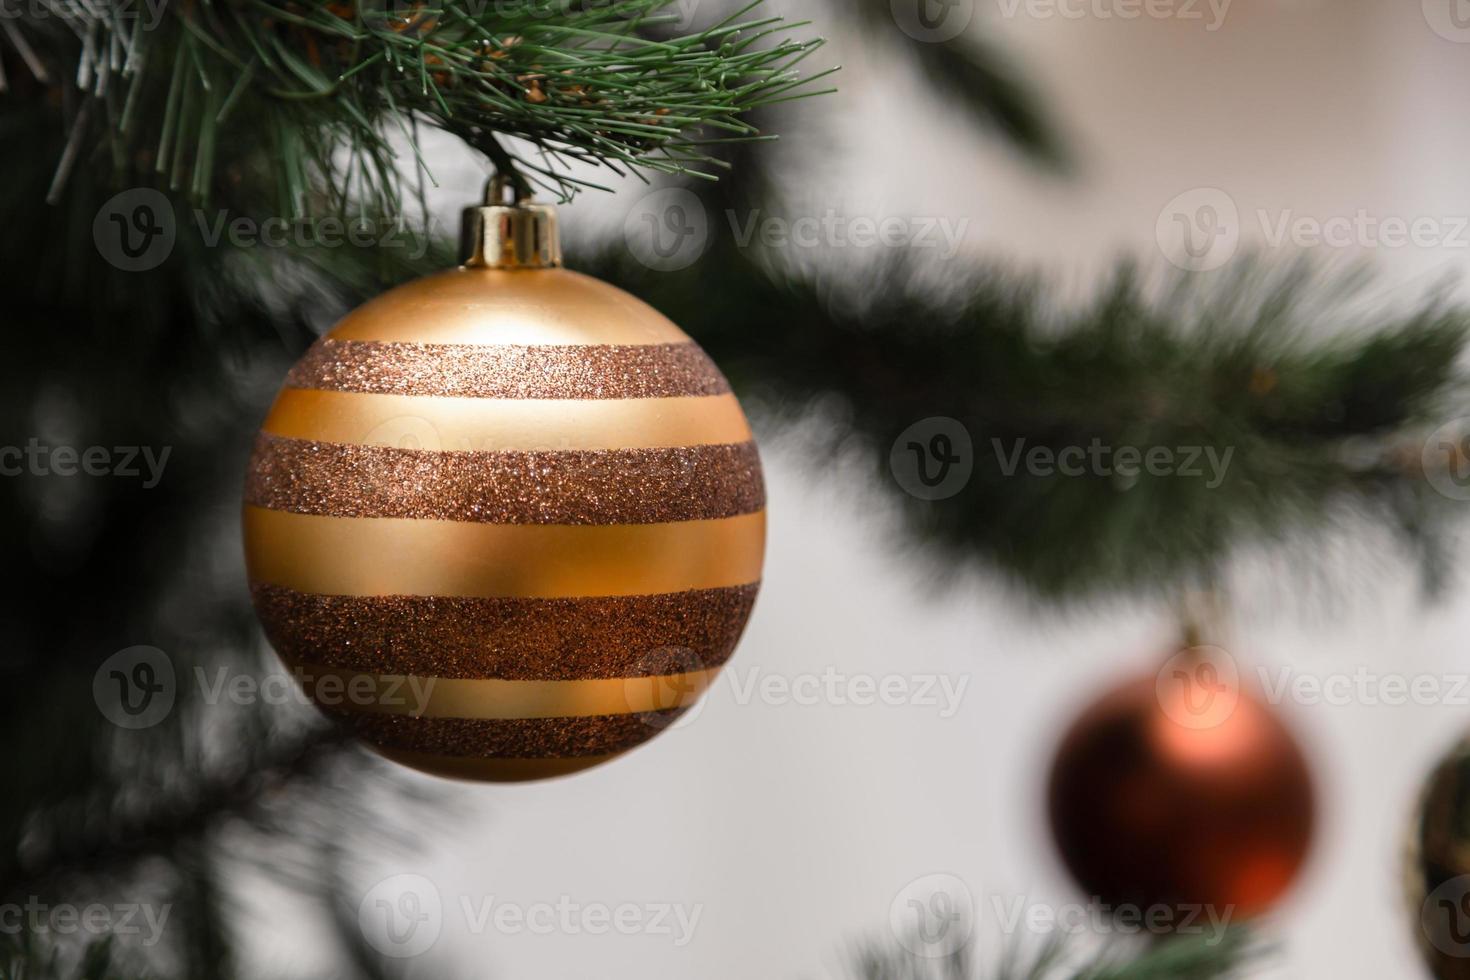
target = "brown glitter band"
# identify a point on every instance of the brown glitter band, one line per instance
(600, 486)
(509, 370)
(512, 738)
(509, 639)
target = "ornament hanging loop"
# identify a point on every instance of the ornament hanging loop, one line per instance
(501, 191)
(1202, 616)
(509, 231)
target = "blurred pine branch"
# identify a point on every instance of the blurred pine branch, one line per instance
(1312, 424)
(184, 357)
(972, 75)
(1178, 958)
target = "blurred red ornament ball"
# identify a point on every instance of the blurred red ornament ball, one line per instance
(1182, 789)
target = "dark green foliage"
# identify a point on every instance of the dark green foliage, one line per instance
(186, 357)
(24, 957)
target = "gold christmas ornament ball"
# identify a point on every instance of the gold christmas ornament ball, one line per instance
(505, 522)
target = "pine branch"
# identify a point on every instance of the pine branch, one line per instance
(1183, 958)
(115, 847)
(317, 94)
(23, 956)
(976, 78)
(1317, 424)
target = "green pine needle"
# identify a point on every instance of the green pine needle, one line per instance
(1181, 958)
(570, 82)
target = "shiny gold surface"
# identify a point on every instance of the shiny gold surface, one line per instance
(442, 697)
(497, 306)
(494, 424)
(390, 556)
(510, 236)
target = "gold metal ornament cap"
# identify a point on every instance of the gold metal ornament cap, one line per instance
(509, 232)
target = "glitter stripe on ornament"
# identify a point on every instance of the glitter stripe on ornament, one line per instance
(512, 738)
(606, 486)
(386, 556)
(487, 306)
(440, 697)
(497, 424)
(508, 638)
(508, 370)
